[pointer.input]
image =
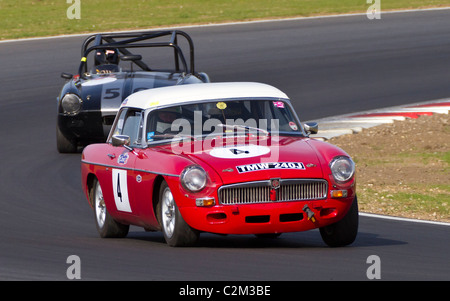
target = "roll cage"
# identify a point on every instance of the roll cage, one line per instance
(124, 41)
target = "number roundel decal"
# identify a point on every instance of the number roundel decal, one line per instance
(120, 189)
(239, 151)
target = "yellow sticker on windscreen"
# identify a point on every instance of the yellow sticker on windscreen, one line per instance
(221, 105)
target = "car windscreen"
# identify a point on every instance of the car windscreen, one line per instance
(222, 117)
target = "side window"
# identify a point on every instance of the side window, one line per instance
(130, 123)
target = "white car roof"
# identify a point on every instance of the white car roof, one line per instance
(197, 92)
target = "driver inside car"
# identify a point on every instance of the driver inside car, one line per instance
(106, 61)
(164, 120)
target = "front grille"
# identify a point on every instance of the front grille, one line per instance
(260, 191)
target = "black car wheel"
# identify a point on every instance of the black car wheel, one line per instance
(107, 227)
(177, 232)
(63, 144)
(344, 231)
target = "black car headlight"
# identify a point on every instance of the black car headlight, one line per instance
(342, 168)
(193, 178)
(71, 104)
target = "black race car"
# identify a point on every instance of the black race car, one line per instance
(113, 66)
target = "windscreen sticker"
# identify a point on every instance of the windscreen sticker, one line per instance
(278, 104)
(150, 136)
(273, 165)
(293, 126)
(221, 105)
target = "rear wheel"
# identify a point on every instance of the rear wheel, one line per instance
(63, 144)
(177, 232)
(107, 227)
(344, 231)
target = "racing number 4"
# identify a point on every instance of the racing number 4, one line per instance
(119, 194)
(120, 187)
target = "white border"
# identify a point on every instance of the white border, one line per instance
(231, 23)
(403, 219)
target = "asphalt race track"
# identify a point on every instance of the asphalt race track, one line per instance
(328, 66)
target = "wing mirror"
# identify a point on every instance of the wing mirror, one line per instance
(67, 76)
(311, 127)
(120, 140)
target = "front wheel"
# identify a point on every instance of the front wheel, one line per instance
(344, 231)
(177, 232)
(63, 144)
(107, 227)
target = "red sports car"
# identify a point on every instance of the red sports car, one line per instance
(226, 158)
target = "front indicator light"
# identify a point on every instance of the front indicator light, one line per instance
(205, 202)
(336, 194)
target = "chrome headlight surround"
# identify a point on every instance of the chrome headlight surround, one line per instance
(193, 178)
(342, 169)
(71, 104)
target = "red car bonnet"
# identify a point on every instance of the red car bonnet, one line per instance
(253, 160)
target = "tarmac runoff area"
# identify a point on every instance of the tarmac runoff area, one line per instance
(356, 122)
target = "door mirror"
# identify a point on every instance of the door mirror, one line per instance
(120, 140)
(67, 76)
(311, 127)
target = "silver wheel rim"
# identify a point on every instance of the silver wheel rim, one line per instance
(168, 212)
(100, 208)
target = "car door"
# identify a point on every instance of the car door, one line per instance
(121, 173)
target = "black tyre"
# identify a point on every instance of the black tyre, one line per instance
(177, 232)
(107, 227)
(344, 231)
(268, 235)
(63, 144)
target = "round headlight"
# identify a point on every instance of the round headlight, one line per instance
(71, 104)
(193, 178)
(342, 168)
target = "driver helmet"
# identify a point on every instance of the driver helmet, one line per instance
(106, 56)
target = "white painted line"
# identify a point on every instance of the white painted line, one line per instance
(437, 110)
(387, 109)
(375, 120)
(327, 127)
(341, 130)
(232, 23)
(403, 219)
(369, 118)
(354, 125)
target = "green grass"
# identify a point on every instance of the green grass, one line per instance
(441, 157)
(434, 204)
(34, 18)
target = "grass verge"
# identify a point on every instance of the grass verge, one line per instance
(403, 169)
(36, 18)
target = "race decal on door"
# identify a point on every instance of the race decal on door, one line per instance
(120, 188)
